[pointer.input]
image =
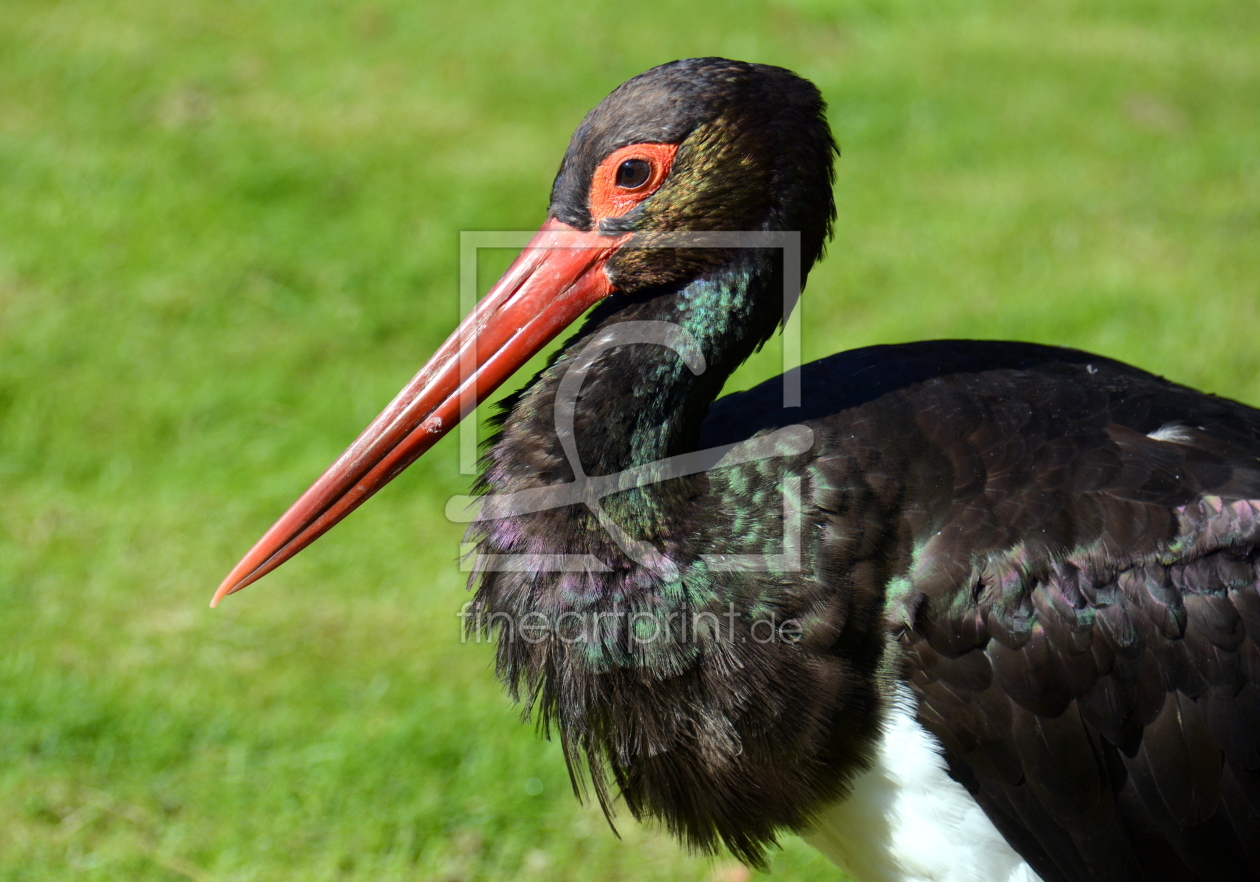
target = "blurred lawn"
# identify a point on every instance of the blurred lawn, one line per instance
(229, 233)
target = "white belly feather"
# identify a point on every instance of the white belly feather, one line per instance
(906, 820)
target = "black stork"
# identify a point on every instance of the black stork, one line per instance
(972, 610)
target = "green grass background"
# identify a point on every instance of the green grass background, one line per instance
(229, 233)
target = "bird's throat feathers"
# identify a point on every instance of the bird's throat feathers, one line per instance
(615, 618)
(647, 366)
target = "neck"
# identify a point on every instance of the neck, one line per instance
(661, 679)
(634, 385)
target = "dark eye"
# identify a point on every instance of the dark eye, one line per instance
(633, 173)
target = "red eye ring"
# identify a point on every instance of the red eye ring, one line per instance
(614, 191)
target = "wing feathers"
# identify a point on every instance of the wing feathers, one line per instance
(1082, 804)
(1096, 682)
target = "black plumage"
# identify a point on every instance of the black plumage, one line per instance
(1055, 552)
(1080, 629)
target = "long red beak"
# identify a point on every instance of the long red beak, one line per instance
(558, 276)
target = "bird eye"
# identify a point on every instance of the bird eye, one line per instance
(628, 176)
(633, 173)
